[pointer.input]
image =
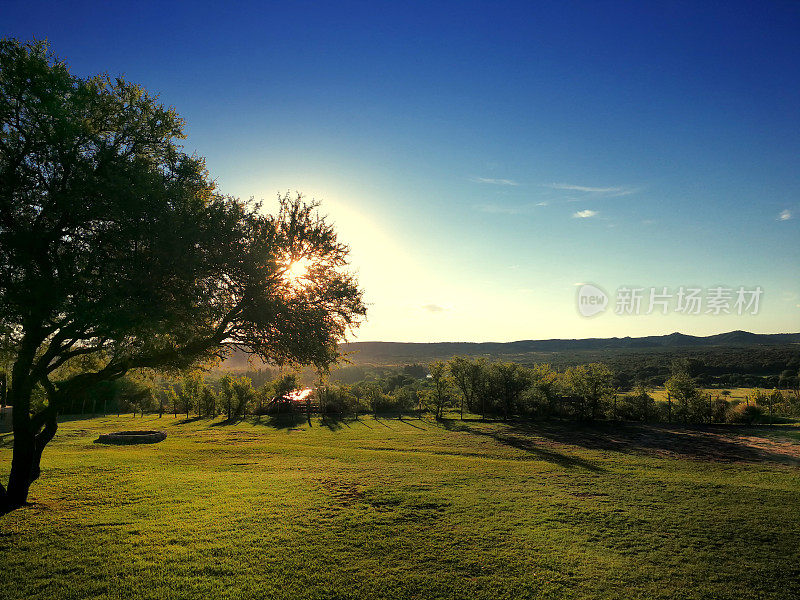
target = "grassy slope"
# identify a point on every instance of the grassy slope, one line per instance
(395, 509)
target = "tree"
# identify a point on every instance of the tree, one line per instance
(510, 380)
(244, 394)
(542, 393)
(683, 388)
(226, 393)
(115, 244)
(771, 400)
(208, 402)
(592, 385)
(439, 393)
(467, 376)
(186, 394)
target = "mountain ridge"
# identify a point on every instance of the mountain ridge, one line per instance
(672, 340)
(408, 352)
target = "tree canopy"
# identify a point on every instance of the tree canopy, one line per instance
(117, 251)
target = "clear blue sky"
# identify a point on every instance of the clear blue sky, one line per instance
(483, 158)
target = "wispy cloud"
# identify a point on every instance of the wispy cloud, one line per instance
(497, 209)
(433, 308)
(493, 181)
(584, 214)
(785, 215)
(598, 191)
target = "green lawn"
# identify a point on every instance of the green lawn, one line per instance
(388, 508)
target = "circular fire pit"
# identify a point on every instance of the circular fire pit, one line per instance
(132, 437)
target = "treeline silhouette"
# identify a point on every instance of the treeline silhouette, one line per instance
(472, 387)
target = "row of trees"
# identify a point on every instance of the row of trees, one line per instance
(583, 392)
(192, 394)
(493, 390)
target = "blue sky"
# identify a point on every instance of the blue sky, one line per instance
(484, 158)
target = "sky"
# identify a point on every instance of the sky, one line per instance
(486, 160)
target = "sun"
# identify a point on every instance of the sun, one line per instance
(297, 271)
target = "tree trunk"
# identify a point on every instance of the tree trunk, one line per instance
(669, 408)
(19, 479)
(41, 440)
(25, 464)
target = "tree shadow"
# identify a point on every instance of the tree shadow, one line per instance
(410, 424)
(719, 443)
(364, 423)
(287, 420)
(377, 419)
(191, 420)
(335, 422)
(530, 446)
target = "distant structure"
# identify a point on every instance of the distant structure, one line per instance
(6, 417)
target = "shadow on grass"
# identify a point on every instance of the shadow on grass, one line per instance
(288, 420)
(408, 422)
(720, 443)
(335, 422)
(188, 420)
(509, 438)
(364, 423)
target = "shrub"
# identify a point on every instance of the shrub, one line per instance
(337, 400)
(636, 407)
(380, 402)
(406, 398)
(743, 413)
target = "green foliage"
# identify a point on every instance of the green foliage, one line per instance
(542, 396)
(406, 398)
(226, 394)
(591, 386)
(338, 400)
(638, 406)
(208, 402)
(439, 396)
(187, 392)
(768, 363)
(684, 392)
(236, 395)
(468, 379)
(745, 413)
(243, 394)
(118, 253)
(284, 384)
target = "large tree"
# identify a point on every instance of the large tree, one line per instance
(118, 253)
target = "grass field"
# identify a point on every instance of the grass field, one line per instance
(735, 393)
(389, 508)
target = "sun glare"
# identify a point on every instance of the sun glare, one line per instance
(297, 271)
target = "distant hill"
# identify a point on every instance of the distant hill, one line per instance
(384, 353)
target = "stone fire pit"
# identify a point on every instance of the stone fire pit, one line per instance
(131, 437)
